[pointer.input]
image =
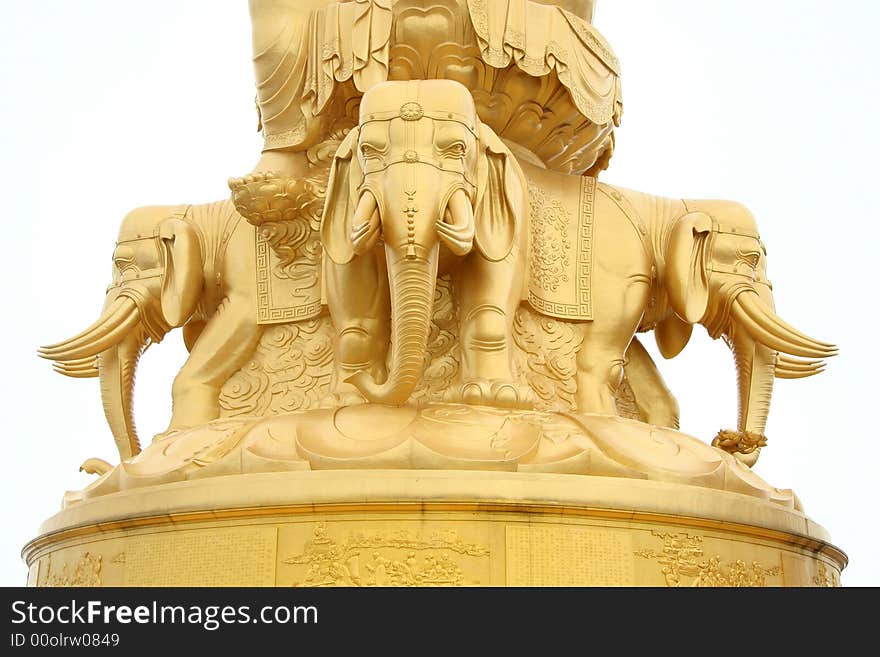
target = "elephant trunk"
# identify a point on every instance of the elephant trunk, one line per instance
(412, 282)
(755, 371)
(759, 340)
(116, 369)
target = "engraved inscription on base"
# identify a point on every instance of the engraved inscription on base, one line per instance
(228, 557)
(568, 556)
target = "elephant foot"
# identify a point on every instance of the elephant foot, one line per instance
(492, 392)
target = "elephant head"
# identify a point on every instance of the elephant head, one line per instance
(716, 274)
(424, 177)
(157, 279)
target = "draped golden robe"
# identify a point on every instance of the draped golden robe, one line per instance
(541, 75)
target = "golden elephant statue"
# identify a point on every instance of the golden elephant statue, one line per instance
(620, 262)
(422, 187)
(173, 266)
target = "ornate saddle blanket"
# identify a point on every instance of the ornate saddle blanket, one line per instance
(561, 250)
(288, 289)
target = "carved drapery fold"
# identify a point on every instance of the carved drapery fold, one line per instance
(539, 39)
(314, 60)
(303, 54)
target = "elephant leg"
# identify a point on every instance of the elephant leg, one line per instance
(489, 293)
(360, 306)
(225, 344)
(655, 401)
(601, 357)
(599, 373)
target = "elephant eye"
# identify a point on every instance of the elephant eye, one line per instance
(124, 264)
(368, 151)
(456, 149)
(749, 258)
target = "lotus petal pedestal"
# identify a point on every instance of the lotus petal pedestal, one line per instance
(272, 503)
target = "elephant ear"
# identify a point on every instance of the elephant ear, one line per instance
(687, 278)
(501, 197)
(339, 204)
(181, 271)
(672, 336)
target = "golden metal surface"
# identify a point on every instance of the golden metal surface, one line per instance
(420, 540)
(423, 277)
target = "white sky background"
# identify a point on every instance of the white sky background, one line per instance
(110, 104)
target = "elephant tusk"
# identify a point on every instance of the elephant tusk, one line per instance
(365, 208)
(775, 337)
(459, 240)
(793, 368)
(83, 364)
(76, 372)
(789, 374)
(460, 210)
(119, 313)
(365, 236)
(365, 224)
(770, 320)
(788, 363)
(761, 335)
(114, 315)
(101, 339)
(774, 341)
(91, 361)
(457, 228)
